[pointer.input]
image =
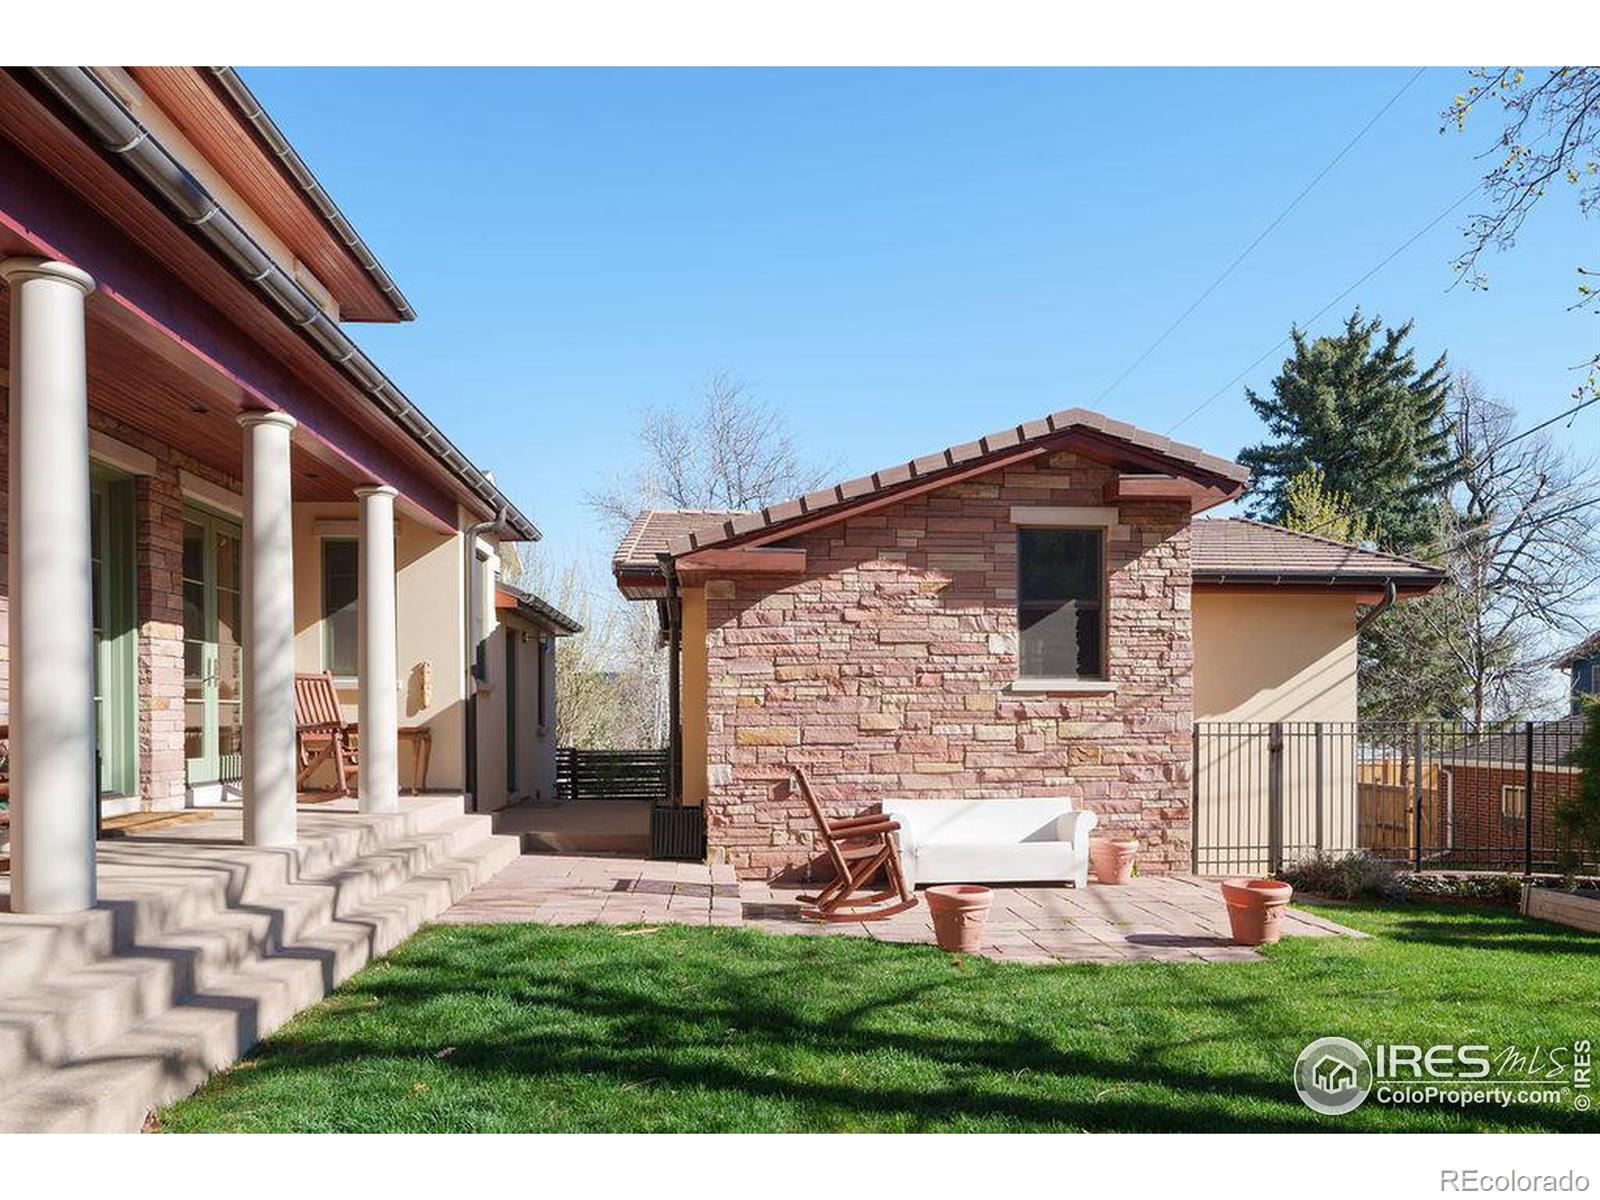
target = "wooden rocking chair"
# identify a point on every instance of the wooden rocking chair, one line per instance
(321, 733)
(858, 847)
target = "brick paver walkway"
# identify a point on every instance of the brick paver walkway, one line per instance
(1156, 918)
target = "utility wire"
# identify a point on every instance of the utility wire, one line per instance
(1316, 316)
(1262, 236)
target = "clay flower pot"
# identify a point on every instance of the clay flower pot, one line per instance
(1255, 909)
(960, 912)
(1112, 858)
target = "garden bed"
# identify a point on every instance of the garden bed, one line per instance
(1580, 909)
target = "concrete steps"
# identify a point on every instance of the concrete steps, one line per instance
(187, 981)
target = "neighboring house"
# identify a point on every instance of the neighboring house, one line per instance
(1485, 799)
(210, 486)
(1031, 613)
(517, 722)
(1583, 661)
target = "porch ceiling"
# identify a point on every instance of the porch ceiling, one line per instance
(190, 409)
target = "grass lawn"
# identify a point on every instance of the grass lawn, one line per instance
(535, 1028)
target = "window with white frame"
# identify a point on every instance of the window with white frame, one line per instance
(1513, 801)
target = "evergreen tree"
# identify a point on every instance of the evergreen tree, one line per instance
(1356, 406)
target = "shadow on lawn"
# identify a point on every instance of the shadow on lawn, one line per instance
(731, 1030)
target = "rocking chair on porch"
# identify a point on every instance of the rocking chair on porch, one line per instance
(321, 733)
(858, 847)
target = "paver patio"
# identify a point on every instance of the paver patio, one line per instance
(1154, 918)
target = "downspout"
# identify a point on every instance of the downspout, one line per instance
(674, 684)
(1378, 609)
(470, 655)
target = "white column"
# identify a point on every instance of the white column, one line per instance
(51, 625)
(268, 595)
(379, 787)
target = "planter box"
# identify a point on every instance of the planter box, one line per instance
(1565, 908)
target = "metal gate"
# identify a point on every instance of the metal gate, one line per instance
(1429, 794)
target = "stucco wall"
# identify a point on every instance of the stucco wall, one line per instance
(428, 628)
(1274, 656)
(888, 670)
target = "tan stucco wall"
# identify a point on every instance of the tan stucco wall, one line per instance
(694, 695)
(1274, 656)
(536, 745)
(429, 630)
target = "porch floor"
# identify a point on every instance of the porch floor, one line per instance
(1154, 918)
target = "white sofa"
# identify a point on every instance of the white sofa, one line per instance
(992, 841)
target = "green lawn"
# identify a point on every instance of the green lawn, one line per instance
(528, 1028)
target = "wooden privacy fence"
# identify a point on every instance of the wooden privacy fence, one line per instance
(1434, 795)
(612, 774)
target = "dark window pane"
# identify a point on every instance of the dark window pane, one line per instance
(340, 566)
(1059, 586)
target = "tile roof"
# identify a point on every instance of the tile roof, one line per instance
(1555, 743)
(539, 609)
(1236, 548)
(653, 531)
(1587, 648)
(1176, 457)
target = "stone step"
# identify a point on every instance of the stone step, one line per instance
(197, 877)
(67, 1011)
(111, 1086)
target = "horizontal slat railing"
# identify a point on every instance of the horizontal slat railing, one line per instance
(612, 774)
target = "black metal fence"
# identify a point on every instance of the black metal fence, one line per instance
(612, 775)
(1427, 794)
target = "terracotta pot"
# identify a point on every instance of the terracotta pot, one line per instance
(960, 912)
(1112, 858)
(1255, 909)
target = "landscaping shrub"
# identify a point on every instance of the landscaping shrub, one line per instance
(1579, 815)
(1502, 890)
(1354, 876)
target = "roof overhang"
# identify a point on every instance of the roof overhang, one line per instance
(212, 274)
(858, 497)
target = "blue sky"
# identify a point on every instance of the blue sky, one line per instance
(900, 259)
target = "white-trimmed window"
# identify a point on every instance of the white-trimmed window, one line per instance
(1513, 801)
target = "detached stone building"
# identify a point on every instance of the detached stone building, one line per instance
(1010, 617)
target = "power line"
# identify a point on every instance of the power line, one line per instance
(1316, 316)
(1262, 236)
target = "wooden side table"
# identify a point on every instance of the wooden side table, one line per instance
(421, 739)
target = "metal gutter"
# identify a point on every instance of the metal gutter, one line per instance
(122, 135)
(251, 109)
(1318, 579)
(1378, 609)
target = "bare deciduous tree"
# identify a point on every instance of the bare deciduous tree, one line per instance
(608, 678)
(732, 451)
(1521, 547)
(1551, 137)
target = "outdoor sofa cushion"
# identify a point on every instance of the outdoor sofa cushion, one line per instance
(1012, 840)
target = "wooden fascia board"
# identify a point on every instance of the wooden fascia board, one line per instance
(741, 560)
(1166, 488)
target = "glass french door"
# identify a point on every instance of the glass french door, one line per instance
(212, 700)
(111, 578)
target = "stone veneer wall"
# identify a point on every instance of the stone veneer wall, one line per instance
(158, 586)
(886, 670)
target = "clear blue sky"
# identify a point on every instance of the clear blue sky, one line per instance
(901, 259)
